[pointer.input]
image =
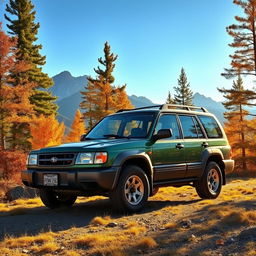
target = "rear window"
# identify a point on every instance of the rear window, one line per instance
(211, 127)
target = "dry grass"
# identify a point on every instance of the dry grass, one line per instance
(241, 217)
(101, 221)
(48, 247)
(24, 241)
(170, 225)
(146, 242)
(132, 236)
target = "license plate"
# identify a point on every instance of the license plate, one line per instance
(51, 180)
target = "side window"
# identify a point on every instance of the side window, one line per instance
(211, 127)
(168, 122)
(188, 126)
(198, 128)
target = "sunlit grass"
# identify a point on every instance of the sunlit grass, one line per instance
(223, 216)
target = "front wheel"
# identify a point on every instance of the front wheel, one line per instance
(53, 200)
(132, 190)
(210, 185)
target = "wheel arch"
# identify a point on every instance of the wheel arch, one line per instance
(139, 159)
(216, 157)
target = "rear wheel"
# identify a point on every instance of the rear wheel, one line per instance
(132, 190)
(210, 185)
(53, 200)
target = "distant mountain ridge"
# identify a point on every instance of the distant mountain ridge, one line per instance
(67, 88)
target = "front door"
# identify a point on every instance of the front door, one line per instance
(168, 154)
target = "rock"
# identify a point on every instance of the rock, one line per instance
(111, 225)
(20, 192)
(25, 251)
(186, 224)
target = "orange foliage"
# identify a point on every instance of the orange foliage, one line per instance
(121, 99)
(15, 106)
(46, 132)
(77, 128)
(11, 164)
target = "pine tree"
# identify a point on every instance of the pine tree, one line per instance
(169, 99)
(77, 128)
(243, 61)
(237, 98)
(184, 95)
(46, 131)
(101, 97)
(15, 108)
(23, 26)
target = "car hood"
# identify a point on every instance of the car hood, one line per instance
(90, 145)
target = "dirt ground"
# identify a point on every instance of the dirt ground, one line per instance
(174, 222)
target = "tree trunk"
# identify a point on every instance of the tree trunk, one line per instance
(243, 140)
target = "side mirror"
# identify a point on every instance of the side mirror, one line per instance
(82, 138)
(162, 134)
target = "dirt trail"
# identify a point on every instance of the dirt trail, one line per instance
(176, 219)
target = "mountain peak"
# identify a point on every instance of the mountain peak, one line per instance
(64, 74)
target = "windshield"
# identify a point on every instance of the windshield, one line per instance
(128, 125)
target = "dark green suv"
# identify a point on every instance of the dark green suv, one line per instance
(130, 154)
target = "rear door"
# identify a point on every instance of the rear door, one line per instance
(195, 142)
(168, 154)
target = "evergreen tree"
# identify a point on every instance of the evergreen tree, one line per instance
(237, 98)
(101, 97)
(184, 95)
(23, 26)
(243, 61)
(169, 99)
(77, 128)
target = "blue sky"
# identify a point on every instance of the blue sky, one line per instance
(153, 39)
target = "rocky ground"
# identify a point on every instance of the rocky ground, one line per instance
(174, 222)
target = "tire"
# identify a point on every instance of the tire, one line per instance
(132, 190)
(210, 185)
(53, 200)
(155, 191)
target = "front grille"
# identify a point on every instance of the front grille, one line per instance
(57, 159)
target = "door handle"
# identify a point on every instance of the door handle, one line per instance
(205, 144)
(179, 146)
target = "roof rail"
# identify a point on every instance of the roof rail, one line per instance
(155, 106)
(185, 107)
(169, 106)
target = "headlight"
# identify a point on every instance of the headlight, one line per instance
(92, 158)
(32, 160)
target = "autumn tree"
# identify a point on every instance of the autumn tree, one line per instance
(101, 97)
(46, 131)
(184, 95)
(22, 25)
(243, 61)
(77, 128)
(121, 99)
(169, 99)
(237, 98)
(15, 107)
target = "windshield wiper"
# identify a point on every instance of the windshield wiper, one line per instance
(115, 136)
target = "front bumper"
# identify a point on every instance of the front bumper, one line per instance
(229, 165)
(72, 179)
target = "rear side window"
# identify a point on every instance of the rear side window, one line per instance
(191, 129)
(211, 127)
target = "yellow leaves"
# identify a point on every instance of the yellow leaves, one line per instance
(77, 128)
(46, 132)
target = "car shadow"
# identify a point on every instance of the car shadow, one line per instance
(41, 219)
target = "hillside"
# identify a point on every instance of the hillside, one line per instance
(174, 222)
(68, 88)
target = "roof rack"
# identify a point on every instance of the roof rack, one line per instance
(169, 106)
